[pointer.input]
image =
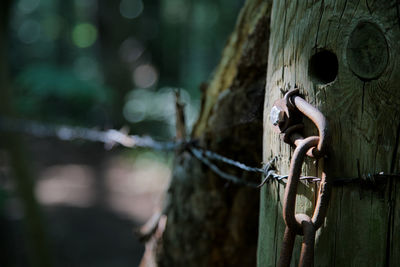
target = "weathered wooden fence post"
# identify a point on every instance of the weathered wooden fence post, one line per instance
(344, 56)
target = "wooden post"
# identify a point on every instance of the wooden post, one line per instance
(344, 57)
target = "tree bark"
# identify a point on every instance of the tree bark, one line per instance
(210, 221)
(360, 99)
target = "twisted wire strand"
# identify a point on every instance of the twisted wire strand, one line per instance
(114, 137)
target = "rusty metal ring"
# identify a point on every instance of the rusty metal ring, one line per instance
(289, 204)
(318, 119)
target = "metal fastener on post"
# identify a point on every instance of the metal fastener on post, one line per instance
(293, 108)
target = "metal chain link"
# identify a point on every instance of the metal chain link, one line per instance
(286, 116)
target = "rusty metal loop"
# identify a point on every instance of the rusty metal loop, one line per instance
(293, 180)
(302, 224)
(318, 119)
(307, 248)
(291, 189)
(285, 256)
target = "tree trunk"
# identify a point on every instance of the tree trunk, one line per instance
(211, 222)
(360, 98)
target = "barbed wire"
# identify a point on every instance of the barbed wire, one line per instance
(197, 153)
(114, 137)
(109, 137)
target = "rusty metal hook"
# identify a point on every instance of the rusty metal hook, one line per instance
(318, 119)
(285, 116)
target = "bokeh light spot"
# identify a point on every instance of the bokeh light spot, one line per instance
(84, 35)
(86, 68)
(175, 11)
(131, 9)
(130, 50)
(29, 31)
(145, 76)
(159, 105)
(135, 110)
(70, 185)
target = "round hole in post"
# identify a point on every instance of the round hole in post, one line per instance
(323, 67)
(367, 51)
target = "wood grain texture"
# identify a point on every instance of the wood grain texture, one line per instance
(362, 107)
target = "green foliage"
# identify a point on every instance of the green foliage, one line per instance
(55, 94)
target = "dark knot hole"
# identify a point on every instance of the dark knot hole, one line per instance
(323, 67)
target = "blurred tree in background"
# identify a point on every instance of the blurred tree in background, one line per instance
(101, 63)
(105, 64)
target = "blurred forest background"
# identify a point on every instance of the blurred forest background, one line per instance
(103, 64)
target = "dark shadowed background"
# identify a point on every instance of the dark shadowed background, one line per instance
(99, 64)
